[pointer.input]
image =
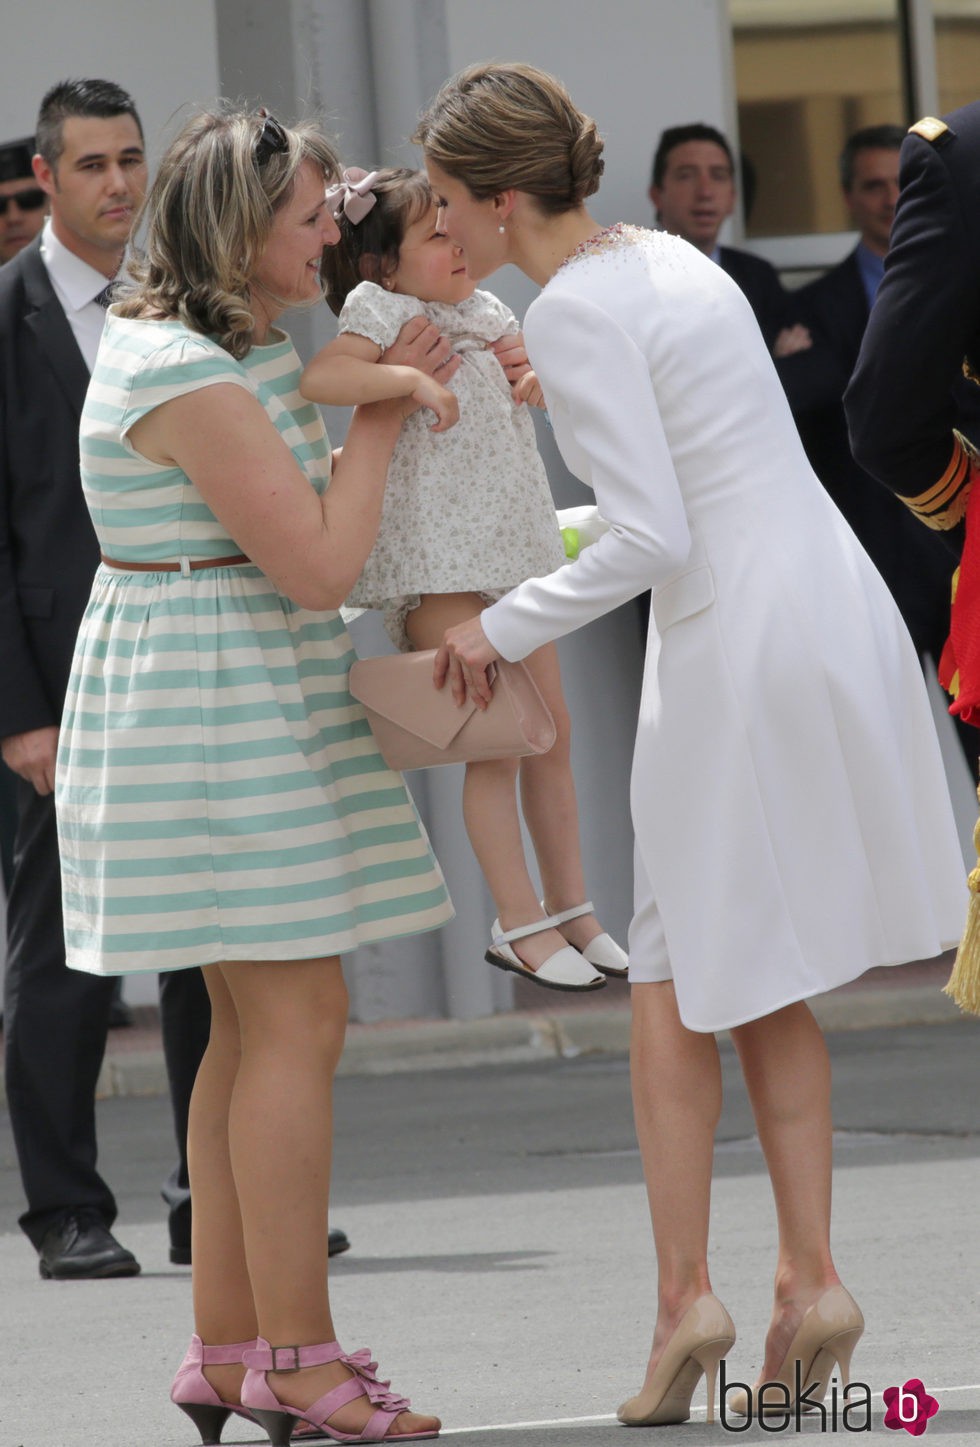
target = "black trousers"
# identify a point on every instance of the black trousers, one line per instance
(8, 824)
(55, 1029)
(185, 1022)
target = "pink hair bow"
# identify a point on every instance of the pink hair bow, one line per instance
(352, 194)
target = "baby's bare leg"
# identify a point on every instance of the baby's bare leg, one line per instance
(551, 810)
(490, 799)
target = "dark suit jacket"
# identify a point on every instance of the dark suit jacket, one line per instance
(48, 549)
(760, 282)
(903, 400)
(916, 564)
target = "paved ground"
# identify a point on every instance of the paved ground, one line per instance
(544, 1026)
(501, 1265)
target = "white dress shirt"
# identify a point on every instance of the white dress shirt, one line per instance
(76, 285)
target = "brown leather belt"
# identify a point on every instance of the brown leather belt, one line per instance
(230, 562)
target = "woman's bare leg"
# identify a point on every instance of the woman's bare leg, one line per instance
(224, 1311)
(292, 1017)
(490, 801)
(787, 1072)
(676, 1077)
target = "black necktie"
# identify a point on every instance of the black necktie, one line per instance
(104, 297)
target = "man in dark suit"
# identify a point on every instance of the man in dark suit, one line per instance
(917, 565)
(23, 206)
(92, 168)
(692, 187)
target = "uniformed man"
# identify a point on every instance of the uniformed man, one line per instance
(908, 425)
(917, 564)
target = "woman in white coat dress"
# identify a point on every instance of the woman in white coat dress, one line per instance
(792, 821)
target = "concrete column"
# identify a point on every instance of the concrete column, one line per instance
(303, 58)
(410, 61)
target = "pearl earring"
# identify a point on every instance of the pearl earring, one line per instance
(501, 228)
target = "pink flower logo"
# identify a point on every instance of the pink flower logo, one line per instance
(910, 1407)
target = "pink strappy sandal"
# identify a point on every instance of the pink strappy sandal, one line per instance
(278, 1419)
(194, 1394)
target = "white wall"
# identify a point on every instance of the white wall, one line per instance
(162, 51)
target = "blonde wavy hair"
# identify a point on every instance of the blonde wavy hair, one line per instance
(208, 215)
(494, 126)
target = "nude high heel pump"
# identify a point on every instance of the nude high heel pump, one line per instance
(704, 1334)
(825, 1338)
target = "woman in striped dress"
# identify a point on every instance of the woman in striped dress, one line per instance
(221, 801)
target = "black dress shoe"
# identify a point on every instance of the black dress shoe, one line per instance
(337, 1242)
(79, 1247)
(120, 1014)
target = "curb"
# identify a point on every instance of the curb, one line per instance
(393, 1048)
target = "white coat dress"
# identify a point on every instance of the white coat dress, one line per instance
(792, 820)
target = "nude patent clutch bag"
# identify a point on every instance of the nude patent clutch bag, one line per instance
(416, 725)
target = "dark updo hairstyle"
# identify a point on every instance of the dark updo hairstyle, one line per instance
(368, 251)
(496, 127)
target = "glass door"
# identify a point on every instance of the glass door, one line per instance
(808, 73)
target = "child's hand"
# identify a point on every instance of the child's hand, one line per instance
(512, 356)
(445, 404)
(528, 390)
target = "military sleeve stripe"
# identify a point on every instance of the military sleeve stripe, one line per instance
(943, 504)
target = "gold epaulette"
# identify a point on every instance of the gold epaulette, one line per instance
(931, 129)
(942, 506)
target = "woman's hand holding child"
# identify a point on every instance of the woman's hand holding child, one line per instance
(463, 659)
(420, 344)
(512, 356)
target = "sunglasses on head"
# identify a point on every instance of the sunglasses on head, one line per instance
(272, 140)
(30, 200)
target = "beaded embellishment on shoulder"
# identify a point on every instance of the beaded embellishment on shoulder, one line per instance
(605, 243)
